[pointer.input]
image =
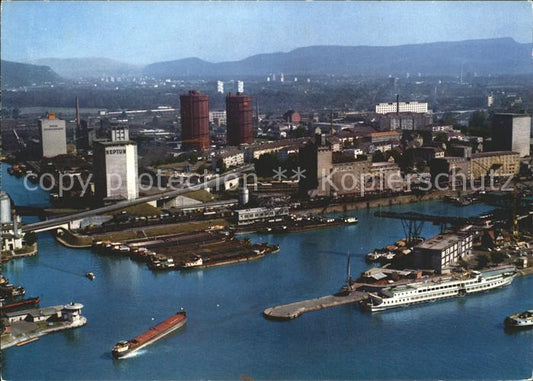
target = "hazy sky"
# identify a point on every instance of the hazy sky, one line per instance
(145, 32)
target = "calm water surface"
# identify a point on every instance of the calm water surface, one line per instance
(226, 335)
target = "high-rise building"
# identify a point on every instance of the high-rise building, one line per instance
(116, 174)
(490, 100)
(220, 87)
(239, 113)
(240, 86)
(195, 120)
(53, 136)
(511, 132)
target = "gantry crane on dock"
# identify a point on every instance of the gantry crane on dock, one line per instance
(413, 222)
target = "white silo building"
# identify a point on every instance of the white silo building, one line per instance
(11, 234)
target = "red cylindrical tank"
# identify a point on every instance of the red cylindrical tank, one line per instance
(239, 113)
(195, 120)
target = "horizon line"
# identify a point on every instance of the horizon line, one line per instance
(140, 65)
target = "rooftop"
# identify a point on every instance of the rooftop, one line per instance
(116, 143)
(494, 153)
(440, 242)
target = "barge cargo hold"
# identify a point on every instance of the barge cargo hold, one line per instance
(24, 303)
(123, 348)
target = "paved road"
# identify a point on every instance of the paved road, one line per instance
(56, 222)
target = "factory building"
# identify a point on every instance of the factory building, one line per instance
(511, 132)
(116, 174)
(240, 127)
(10, 232)
(253, 215)
(195, 121)
(442, 251)
(53, 136)
(329, 173)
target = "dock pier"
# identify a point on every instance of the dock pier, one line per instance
(294, 310)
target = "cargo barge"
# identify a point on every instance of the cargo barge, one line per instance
(124, 348)
(24, 303)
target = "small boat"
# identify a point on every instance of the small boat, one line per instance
(195, 262)
(520, 320)
(351, 220)
(90, 275)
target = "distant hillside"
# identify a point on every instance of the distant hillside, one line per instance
(492, 56)
(14, 74)
(88, 67)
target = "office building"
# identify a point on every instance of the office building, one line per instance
(116, 174)
(53, 136)
(240, 86)
(511, 132)
(229, 159)
(195, 121)
(218, 118)
(240, 127)
(499, 163)
(417, 107)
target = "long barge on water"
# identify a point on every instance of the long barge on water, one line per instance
(430, 291)
(124, 348)
(24, 303)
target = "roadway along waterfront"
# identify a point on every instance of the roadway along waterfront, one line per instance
(227, 335)
(58, 221)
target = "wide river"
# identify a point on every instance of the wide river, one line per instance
(226, 336)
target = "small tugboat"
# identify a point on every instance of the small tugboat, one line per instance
(90, 275)
(123, 348)
(520, 320)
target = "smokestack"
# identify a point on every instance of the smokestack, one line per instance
(397, 103)
(78, 121)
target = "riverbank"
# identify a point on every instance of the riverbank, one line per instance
(27, 251)
(376, 203)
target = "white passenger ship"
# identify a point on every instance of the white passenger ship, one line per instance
(429, 291)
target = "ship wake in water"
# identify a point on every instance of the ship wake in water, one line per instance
(138, 353)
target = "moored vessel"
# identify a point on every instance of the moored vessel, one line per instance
(433, 290)
(123, 348)
(520, 320)
(24, 303)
